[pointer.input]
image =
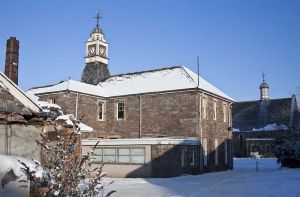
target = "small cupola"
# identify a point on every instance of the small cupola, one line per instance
(264, 90)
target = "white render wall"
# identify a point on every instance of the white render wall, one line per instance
(21, 140)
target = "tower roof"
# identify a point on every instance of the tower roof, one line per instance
(97, 30)
(264, 85)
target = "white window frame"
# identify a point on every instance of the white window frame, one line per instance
(52, 100)
(215, 110)
(216, 152)
(205, 151)
(204, 107)
(229, 116)
(98, 110)
(225, 112)
(117, 111)
(117, 155)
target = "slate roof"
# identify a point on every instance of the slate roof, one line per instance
(160, 80)
(251, 115)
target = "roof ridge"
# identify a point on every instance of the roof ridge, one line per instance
(145, 71)
(184, 68)
(46, 86)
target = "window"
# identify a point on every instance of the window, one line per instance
(204, 107)
(109, 155)
(51, 100)
(225, 150)
(98, 155)
(224, 112)
(137, 155)
(120, 110)
(133, 155)
(205, 151)
(192, 157)
(216, 152)
(124, 155)
(182, 157)
(215, 110)
(229, 116)
(100, 110)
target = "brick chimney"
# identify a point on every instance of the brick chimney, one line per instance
(12, 59)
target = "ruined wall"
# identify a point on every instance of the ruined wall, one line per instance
(21, 140)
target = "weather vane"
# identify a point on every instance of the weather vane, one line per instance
(263, 75)
(98, 17)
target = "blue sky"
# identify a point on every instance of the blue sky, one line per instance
(235, 39)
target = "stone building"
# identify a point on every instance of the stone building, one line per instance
(19, 122)
(165, 102)
(257, 125)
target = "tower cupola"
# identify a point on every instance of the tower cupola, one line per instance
(96, 57)
(264, 90)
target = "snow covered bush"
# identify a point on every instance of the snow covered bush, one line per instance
(288, 152)
(66, 171)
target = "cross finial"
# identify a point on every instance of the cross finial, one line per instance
(263, 75)
(98, 17)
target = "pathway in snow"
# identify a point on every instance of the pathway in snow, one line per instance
(243, 181)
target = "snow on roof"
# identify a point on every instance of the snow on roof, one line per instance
(272, 127)
(69, 85)
(167, 79)
(44, 104)
(85, 128)
(141, 141)
(260, 139)
(268, 127)
(69, 118)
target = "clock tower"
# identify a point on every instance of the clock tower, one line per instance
(96, 57)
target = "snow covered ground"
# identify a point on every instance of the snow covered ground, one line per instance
(243, 181)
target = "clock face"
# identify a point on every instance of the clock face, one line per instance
(102, 50)
(92, 50)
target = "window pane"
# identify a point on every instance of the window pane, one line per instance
(124, 159)
(97, 159)
(109, 151)
(137, 151)
(109, 159)
(98, 151)
(124, 151)
(120, 114)
(137, 159)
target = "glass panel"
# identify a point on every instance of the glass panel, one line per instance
(97, 159)
(120, 114)
(137, 159)
(109, 159)
(124, 159)
(123, 151)
(138, 151)
(109, 151)
(98, 151)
